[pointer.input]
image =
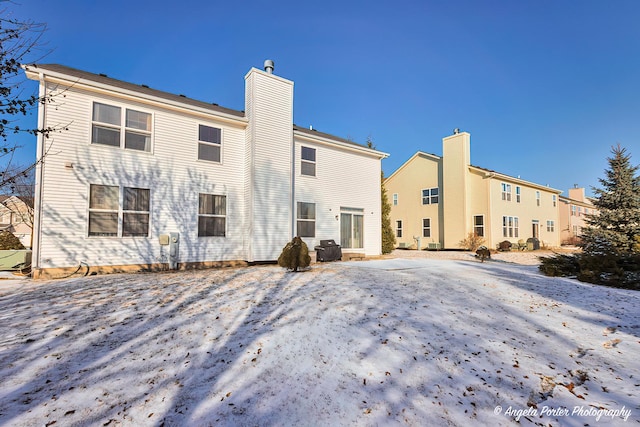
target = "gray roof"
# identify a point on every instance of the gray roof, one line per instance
(142, 89)
(145, 90)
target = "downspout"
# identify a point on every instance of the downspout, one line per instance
(36, 236)
(292, 171)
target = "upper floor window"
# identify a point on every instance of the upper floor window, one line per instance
(573, 210)
(306, 216)
(209, 143)
(308, 161)
(554, 199)
(107, 127)
(517, 194)
(538, 198)
(395, 199)
(430, 196)
(106, 211)
(212, 215)
(506, 192)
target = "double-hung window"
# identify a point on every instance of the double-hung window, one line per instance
(478, 225)
(108, 129)
(111, 216)
(306, 219)
(209, 143)
(430, 196)
(554, 199)
(426, 227)
(551, 226)
(506, 192)
(308, 161)
(212, 215)
(395, 199)
(517, 194)
(399, 228)
(538, 198)
(135, 212)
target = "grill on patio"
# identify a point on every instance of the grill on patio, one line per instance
(328, 250)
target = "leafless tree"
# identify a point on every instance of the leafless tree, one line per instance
(20, 44)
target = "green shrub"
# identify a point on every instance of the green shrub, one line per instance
(603, 269)
(9, 241)
(295, 255)
(560, 265)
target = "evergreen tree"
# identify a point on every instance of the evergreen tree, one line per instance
(615, 228)
(388, 238)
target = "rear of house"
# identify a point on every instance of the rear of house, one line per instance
(144, 179)
(436, 201)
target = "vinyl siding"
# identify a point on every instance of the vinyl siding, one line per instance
(171, 171)
(343, 179)
(419, 173)
(270, 117)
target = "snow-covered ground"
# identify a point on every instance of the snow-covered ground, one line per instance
(414, 339)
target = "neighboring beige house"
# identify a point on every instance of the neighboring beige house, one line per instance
(16, 216)
(436, 201)
(143, 178)
(573, 213)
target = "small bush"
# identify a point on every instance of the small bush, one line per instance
(560, 265)
(472, 242)
(9, 241)
(602, 269)
(295, 255)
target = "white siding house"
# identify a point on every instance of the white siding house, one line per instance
(136, 165)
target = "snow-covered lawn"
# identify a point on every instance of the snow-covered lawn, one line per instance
(405, 341)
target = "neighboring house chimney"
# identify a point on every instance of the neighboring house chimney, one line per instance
(269, 164)
(456, 153)
(577, 193)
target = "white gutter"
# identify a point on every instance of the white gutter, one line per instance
(344, 145)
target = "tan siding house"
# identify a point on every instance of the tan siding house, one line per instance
(455, 198)
(574, 210)
(143, 179)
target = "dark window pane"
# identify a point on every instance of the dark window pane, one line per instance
(210, 204)
(103, 197)
(137, 141)
(211, 226)
(306, 210)
(105, 136)
(209, 134)
(308, 169)
(138, 120)
(307, 228)
(103, 224)
(135, 224)
(308, 154)
(106, 113)
(209, 152)
(136, 199)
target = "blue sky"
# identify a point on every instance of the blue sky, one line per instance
(545, 88)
